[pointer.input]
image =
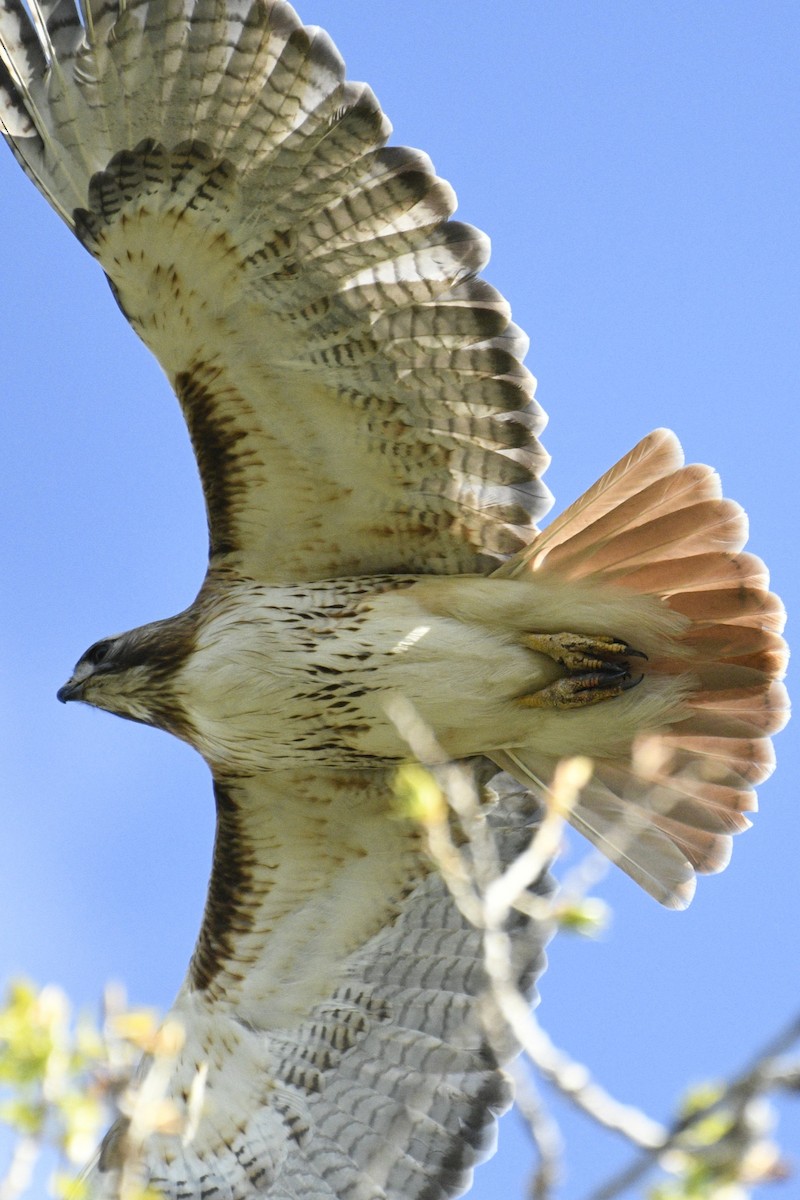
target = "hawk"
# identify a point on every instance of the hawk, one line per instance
(367, 441)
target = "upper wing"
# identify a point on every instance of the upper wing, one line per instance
(355, 395)
(331, 1010)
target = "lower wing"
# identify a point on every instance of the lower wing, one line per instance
(332, 1043)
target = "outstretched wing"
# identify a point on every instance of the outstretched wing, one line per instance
(332, 1010)
(354, 392)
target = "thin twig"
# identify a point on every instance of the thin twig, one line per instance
(544, 1132)
(574, 1081)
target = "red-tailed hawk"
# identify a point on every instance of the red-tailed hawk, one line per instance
(366, 436)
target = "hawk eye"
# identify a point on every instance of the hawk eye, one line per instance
(97, 653)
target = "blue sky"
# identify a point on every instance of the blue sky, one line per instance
(636, 166)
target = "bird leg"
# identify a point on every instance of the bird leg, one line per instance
(579, 652)
(597, 667)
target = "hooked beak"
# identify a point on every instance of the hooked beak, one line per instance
(70, 691)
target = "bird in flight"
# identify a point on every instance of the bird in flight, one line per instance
(367, 440)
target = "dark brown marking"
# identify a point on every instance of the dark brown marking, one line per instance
(161, 646)
(227, 913)
(211, 409)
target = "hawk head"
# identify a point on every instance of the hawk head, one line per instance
(132, 674)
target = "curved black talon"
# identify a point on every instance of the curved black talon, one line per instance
(631, 652)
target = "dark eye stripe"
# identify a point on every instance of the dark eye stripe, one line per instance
(95, 654)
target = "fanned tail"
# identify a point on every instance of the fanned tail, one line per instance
(652, 527)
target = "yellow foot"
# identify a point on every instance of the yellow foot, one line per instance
(582, 689)
(597, 669)
(580, 652)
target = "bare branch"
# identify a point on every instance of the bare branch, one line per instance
(764, 1073)
(737, 1150)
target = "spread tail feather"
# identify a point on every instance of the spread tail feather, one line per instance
(666, 807)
